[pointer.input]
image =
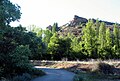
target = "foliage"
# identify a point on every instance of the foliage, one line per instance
(87, 76)
(16, 44)
(54, 27)
(97, 41)
(78, 78)
(89, 39)
(101, 40)
(23, 77)
(76, 49)
(36, 72)
(116, 41)
(53, 46)
(103, 68)
(47, 34)
(20, 59)
(66, 49)
(8, 12)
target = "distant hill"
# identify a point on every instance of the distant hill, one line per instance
(76, 24)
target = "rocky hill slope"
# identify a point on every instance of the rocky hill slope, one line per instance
(75, 26)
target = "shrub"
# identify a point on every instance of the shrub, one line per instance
(103, 68)
(36, 72)
(20, 61)
(23, 77)
(78, 78)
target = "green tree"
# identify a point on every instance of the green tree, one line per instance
(102, 40)
(97, 24)
(89, 39)
(37, 30)
(108, 38)
(76, 49)
(64, 48)
(108, 44)
(54, 27)
(53, 46)
(67, 47)
(8, 12)
(20, 60)
(47, 34)
(116, 35)
(116, 39)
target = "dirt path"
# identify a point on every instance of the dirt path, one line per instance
(55, 75)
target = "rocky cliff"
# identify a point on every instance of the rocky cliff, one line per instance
(75, 26)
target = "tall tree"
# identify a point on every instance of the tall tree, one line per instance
(102, 34)
(116, 35)
(88, 38)
(108, 44)
(116, 39)
(8, 12)
(108, 38)
(47, 34)
(76, 48)
(101, 39)
(97, 24)
(54, 27)
(53, 46)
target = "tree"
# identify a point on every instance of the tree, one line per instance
(64, 48)
(88, 39)
(54, 27)
(102, 40)
(47, 34)
(116, 39)
(116, 35)
(8, 12)
(76, 49)
(16, 44)
(37, 30)
(108, 44)
(108, 37)
(67, 48)
(97, 24)
(53, 46)
(20, 60)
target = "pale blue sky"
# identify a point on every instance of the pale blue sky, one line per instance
(45, 12)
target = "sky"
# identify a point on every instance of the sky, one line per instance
(45, 12)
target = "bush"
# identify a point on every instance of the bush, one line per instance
(78, 78)
(23, 77)
(103, 68)
(36, 72)
(20, 61)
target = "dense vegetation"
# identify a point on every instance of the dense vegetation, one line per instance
(18, 45)
(97, 42)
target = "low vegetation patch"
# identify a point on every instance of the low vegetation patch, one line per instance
(103, 68)
(100, 72)
(24, 76)
(86, 76)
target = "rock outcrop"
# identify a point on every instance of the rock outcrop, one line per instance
(77, 21)
(76, 25)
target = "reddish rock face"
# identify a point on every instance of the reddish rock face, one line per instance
(77, 21)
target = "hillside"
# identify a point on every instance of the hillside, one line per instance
(75, 26)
